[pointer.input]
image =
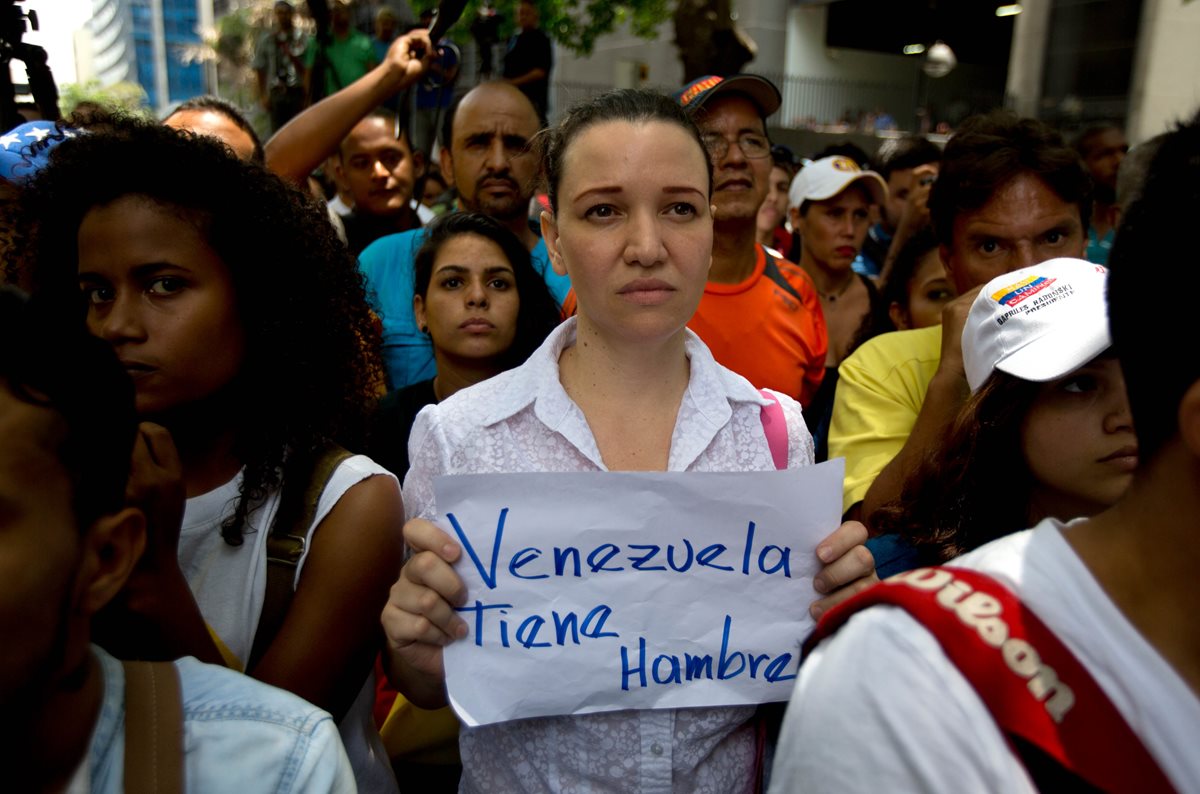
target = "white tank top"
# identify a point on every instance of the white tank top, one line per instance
(229, 583)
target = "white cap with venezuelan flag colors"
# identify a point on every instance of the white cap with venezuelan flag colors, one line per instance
(1037, 323)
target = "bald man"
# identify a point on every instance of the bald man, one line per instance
(485, 154)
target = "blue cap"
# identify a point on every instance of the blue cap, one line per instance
(25, 149)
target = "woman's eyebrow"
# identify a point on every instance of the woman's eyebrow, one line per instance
(604, 191)
(140, 271)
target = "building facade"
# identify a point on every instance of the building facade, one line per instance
(149, 42)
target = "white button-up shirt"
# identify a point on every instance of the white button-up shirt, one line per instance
(523, 421)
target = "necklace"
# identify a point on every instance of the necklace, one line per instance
(833, 296)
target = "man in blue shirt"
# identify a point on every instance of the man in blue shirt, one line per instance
(1102, 149)
(68, 547)
(485, 153)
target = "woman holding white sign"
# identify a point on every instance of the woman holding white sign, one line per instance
(622, 386)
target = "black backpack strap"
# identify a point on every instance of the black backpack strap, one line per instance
(772, 271)
(286, 545)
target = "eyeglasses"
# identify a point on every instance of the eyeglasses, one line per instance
(753, 146)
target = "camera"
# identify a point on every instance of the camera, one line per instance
(14, 22)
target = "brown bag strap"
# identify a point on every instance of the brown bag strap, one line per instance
(153, 729)
(285, 547)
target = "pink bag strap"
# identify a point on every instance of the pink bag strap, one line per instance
(775, 426)
(768, 719)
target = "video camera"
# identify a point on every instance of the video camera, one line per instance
(13, 24)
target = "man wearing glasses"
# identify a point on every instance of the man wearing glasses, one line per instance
(760, 314)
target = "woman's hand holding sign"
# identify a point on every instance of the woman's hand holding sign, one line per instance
(419, 618)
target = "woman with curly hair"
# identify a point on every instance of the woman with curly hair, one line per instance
(243, 324)
(1046, 432)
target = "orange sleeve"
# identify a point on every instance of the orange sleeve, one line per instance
(816, 333)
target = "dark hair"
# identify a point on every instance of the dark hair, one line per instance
(538, 313)
(991, 150)
(902, 154)
(783, 157)
(626, 104)
(396, 121)
(434, 174)
(48, 359)
(976, 486)
(226, 109)
(904, 266)
(299, 292)
(896, 288)
(1157, 375)
(1083, 141)
(1131, 176)
(845, 149)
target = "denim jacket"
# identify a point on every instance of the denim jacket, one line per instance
(240, 735)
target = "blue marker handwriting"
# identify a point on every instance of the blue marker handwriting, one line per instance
(532, 563)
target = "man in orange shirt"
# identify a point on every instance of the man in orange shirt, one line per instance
(760, 314)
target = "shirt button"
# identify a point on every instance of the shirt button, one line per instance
(656, 748)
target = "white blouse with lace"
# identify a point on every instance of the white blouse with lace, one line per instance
(523, 421)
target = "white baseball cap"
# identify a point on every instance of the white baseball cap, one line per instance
(825, 178)
(1037, 323)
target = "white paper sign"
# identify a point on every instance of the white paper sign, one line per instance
(604, 591)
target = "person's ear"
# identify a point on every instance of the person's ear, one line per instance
(550, 235)
(796, 219)
(898, 316)
(1189, 419)
(447, 162)
(112, 547)
(419, 313)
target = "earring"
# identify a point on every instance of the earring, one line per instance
(424, 329)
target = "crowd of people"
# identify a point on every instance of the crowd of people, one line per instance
(225, 405)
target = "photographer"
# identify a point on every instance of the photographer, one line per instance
(908, 165)
(279, 66)
(338, 55)
(13, 24)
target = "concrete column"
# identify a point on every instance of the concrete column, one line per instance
(765, 21)
(1027, 57)
(207, 22)
(1166, 69)
(158, 31)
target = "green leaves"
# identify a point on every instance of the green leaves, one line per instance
(574, 24)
